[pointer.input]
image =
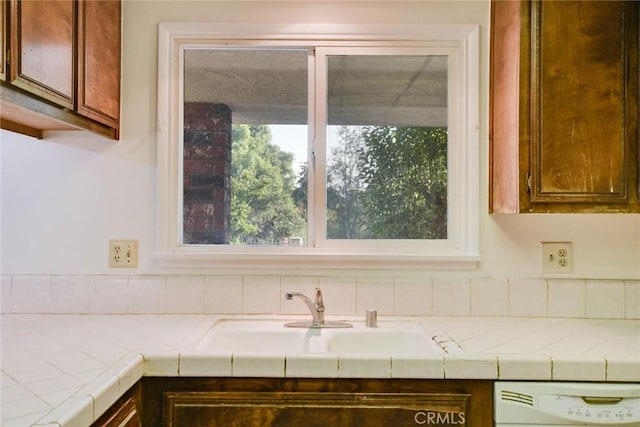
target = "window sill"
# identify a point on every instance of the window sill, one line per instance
(308, 262)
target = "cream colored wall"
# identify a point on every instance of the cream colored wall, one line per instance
(63, 198)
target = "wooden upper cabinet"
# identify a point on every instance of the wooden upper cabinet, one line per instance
(42, 49)
(3, 40)
(564, 106)
(99, 60)
(63, 70)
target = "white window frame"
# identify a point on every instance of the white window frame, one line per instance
(461, 248)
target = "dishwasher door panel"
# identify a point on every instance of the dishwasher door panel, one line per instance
(551, 404)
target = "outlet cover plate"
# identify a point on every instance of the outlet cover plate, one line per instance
(557, 257)
(123, 253)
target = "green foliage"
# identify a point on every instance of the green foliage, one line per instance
(262, 185)
(345, 211)
(383, 182)
(405, 173)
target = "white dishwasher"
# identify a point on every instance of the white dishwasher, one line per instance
(566, 404)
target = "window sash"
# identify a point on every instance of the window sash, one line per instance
(320, 148)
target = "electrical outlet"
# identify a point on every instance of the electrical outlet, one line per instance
(123, 253)
(557, 257)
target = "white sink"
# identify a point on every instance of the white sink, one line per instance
(385, 339)
(389, 338)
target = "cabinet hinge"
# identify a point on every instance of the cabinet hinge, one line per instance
(528, 178)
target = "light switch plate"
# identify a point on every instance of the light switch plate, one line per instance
(123, 253)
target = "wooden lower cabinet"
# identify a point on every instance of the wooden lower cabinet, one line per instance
(124, 413)
(208, 402)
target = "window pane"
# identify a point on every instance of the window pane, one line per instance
(245, 146)
(387, 147)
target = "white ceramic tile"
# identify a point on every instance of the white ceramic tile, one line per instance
(425, 367)
(7, 381)
(605, 299)
(16, 392)
(21, 408)
(261, 294)
(340, 294)
(413, 297)
(572, 368)
(56, 398)
(128, 370)
(524, 367)
(57, 352)
(70, 294)
(108, 294)
(632, 299)
(87, 364)
(469, 366)
(623, 370)
(185, 294)
(104, 390)
(489, 297)
(75, 412)
(107, 352)
(215, 365)
(88, 376)
(567, 298)
(20, 361)
(26, 420)
(5, 293)
(39, 374)
(53, 384)
(258, 365)
(363, 366)
(159, 364)
(223, 294)
(147, 294)
(375, 294)
(528, 297)
(451, 297)
(311, 365)
(30, 294)
(305, 285)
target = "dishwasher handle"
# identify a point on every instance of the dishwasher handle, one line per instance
(594, 400)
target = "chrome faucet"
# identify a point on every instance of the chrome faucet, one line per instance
(315, 307)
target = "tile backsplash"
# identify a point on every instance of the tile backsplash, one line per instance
(349, 296)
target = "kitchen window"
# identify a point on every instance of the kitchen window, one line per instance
(318, 147)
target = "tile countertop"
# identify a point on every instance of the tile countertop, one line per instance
(66, 370)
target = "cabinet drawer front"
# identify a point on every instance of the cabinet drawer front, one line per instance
(208, 409)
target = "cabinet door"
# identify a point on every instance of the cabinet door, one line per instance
(42, 48)
(564, 95)
(204, 409)
(581, 131)
(124, 413)
(99, 60)
(322, 402)
(3, 40)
